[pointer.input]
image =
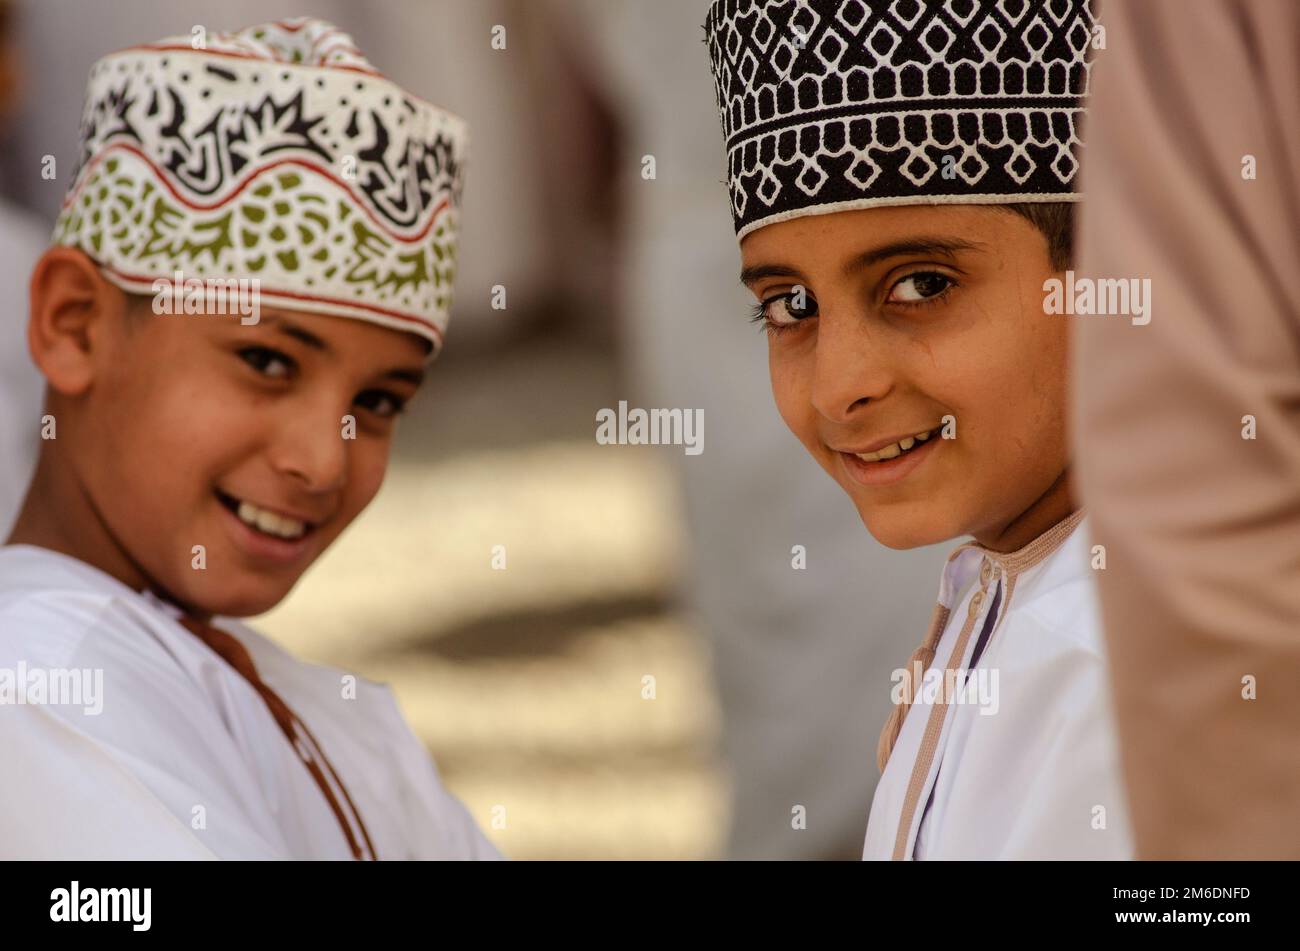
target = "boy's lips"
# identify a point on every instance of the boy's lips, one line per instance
(877, 445)
(266, 533)
(885, 471)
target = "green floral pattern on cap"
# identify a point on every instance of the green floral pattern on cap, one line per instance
(275, 153)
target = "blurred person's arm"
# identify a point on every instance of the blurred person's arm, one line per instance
(1201, 589)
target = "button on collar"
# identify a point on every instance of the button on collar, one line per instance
(990, 571)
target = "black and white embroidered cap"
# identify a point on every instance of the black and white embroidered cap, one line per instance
(830, 106)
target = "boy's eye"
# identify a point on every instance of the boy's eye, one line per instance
(782, 310)
(921, 286)
(381, 403)
(268, 362)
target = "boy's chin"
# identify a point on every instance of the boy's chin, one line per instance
(901, 530)
(234, 597)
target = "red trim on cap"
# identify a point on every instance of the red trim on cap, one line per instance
(294, 295)
(177, 48)
(253, 176)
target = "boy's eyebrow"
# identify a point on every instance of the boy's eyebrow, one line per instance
(414, 377)
(918, 245)
(291, 329)
(759, 271)
(285, 326)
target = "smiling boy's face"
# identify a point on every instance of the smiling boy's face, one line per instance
(910, 315)
(198, 430)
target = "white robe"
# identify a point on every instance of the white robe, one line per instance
(184, 760)
(1039, 778)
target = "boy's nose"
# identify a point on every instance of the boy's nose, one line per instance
(849, 368)
(312, 449)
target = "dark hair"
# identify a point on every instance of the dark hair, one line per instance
(1055, 219)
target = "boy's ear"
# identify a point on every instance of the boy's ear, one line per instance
(71, 303)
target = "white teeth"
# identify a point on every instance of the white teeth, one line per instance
(270, 523)
(889, 452)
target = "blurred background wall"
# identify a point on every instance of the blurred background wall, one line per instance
(622, 562)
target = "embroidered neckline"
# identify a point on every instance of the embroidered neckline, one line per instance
(1036, 551)
(1012, 564)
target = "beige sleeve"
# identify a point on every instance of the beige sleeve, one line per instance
(1201, 590)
